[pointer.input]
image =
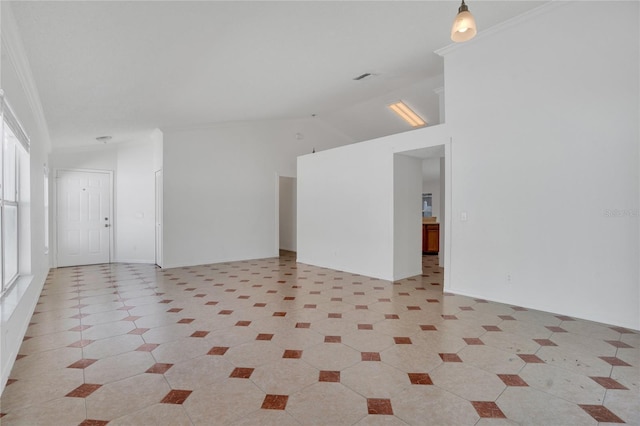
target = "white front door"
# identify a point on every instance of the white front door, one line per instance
(83, 217)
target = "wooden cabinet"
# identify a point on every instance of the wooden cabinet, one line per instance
(430, 238)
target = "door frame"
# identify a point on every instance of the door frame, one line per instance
(159, 218)
(54, 213)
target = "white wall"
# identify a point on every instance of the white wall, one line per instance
(220, 188)
(17, 83)
(134, 164)
(346, 206)
(545, 142)
(287, 212)
(407, 216)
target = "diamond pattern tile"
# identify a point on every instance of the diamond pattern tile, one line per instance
(307, 345)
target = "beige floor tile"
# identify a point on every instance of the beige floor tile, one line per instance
(327, 404)
(118, 367)
(118, 399)
(410, 358)
(39, 389)
(198, 372)
(266, 418)
(430, 405)
(529, 406)
(225, 402)
(468, 382)
(158, 415)
(366, 378)
(285, 376)
(60, 411)
(181, 350)
(111, 346)
(47, 342)
(564, 384)
(43, 362)
(368, 341)
(491, 359)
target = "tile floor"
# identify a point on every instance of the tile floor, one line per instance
(275, 342)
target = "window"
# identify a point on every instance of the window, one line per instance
(427, 207)
(14, 167)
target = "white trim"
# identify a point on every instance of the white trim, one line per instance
(517, 20)
(53, 204)
(13, 47)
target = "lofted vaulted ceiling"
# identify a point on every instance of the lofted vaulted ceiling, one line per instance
(125, 67)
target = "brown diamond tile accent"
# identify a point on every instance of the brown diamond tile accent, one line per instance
(241, 373)
(335, 315)
(336, 299)
(289, 298)
(466, 308)
(80, 343)
(402, 341)
(601, 414)
(259, 305)
(332, 339)
(512, 380)
(131, 318)
(531, 359)
(384, 300)
(82, 364)
(379, 406)
(365, 326)
(176, 396)
(370, 356)
(488, 409)
(448, 357)
(279, 314)
(218, 350)
(303, 325)
(420, 379)
(362, 307)
(147, 347)
(314, 292)
(518, 308)
(622, 330)
(159, 368)
(199, 333)
(618, 344)
(225, 312)
(10, 381)
(93, 422)
(506, 317)
(275, 402)
(166, 301)
(433, 301)
(544, 342)
(292, 353)
(310, 306)
(80, 328)
(608, 383)
(564, 318)
(428, 327)
(491, 328)
(414, 308)
(138, 331)
(616, 362)
(186, 321)
(329, 376)
(84, 390)
(449, 317)
(472, 341)
(239, 297)
(555, 329)
(211, 303)
(391, 316)
(173, 310)
(403, 294)
(243, 323)
(264, 336)
(19, 356)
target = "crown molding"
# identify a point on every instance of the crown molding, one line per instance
(496, 29)
(12, 46)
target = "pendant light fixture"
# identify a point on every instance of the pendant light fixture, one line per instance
(464, 26)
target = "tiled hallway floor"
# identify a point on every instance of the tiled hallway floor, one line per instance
(274, 342)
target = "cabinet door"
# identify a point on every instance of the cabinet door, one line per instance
(433, 238)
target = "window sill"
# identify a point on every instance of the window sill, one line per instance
(12, 297)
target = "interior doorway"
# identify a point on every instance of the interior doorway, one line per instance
(287, 213)
(158, 218)
(83, 217)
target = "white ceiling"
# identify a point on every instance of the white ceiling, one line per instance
(125, 67)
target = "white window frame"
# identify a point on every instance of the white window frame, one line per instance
(8, 119)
